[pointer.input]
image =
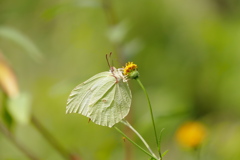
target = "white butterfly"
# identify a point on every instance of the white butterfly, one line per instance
(104, 98)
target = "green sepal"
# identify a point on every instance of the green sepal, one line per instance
(164, 153)
(133, 74)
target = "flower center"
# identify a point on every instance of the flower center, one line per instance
(129, 67)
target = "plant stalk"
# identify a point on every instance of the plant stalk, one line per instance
(151, 112)
(139, 135)
(134, 143)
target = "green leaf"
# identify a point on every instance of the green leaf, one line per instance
(164, 153)
(19, 108)
(22, 40)
(159, 140)
(7, 118)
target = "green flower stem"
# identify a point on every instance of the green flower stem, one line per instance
(139, 135)
(151, 112)
(134, 143)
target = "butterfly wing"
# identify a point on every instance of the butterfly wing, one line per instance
(112, 105)
(101, 98)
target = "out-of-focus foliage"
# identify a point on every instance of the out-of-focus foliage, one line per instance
(188, 58)
(8, 80)
(16, 104)
(15, 36)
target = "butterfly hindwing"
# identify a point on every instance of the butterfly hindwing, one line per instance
(102, 98)
(80, 96)
(113, 106)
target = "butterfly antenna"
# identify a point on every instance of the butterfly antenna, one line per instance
(108, 60)
(108, 56)
(111, 58)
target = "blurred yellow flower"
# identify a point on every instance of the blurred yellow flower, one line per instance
(191, 134)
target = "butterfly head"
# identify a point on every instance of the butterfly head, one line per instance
(118, 74)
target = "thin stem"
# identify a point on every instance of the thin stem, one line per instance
(51, 139)
(9, 135)
(130, 140)
(151, 112)
(139, 135)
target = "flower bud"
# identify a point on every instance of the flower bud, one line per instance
(133, 74)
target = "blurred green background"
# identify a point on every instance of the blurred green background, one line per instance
(188, 54)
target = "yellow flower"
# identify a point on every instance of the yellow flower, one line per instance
(191, 134)
(130, 66)
(130, 70)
